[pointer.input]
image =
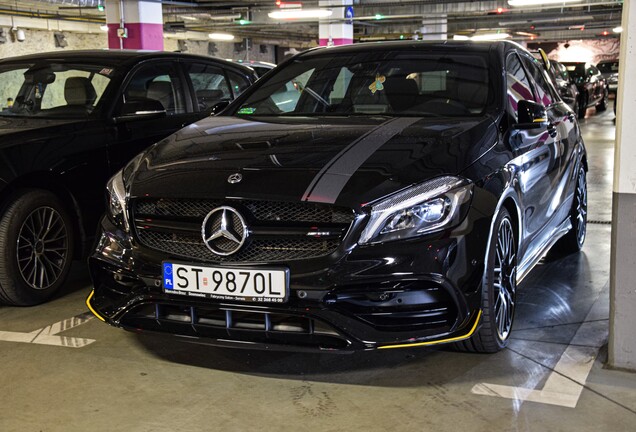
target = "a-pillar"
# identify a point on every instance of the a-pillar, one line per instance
(142, 22)
(622, 342)
(338, 28)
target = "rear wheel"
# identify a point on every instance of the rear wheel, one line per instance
(498, 290)
(38, 237)
(573, 241)
(602, 106)
(582, 107)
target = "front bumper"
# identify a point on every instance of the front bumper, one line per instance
(412, 293)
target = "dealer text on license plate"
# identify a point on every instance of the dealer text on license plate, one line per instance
(256, 285)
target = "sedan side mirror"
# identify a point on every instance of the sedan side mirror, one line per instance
(531, 115)
(219, 106)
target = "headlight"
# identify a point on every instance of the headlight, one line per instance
(116, 193)
(418, 210)
(116, 197)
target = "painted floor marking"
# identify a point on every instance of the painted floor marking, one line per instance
(565, 383)
(49, 335)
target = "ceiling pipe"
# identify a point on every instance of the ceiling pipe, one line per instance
(80, 3)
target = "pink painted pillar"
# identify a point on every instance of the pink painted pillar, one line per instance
(143, 23)
(333, 30)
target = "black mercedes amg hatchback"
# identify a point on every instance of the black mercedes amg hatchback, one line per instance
(370, 196)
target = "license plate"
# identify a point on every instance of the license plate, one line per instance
(222, 283)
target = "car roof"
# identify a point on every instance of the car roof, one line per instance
(116, 57)
(454, 45)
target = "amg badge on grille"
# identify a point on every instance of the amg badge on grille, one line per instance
(224, 231)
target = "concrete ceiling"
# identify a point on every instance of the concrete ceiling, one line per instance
(406, 18)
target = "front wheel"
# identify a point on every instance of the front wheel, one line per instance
(38, 237)
(498, 290)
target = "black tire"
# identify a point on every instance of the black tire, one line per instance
(573, 241)
(37, 234)
(582, 107)
(498, 290)
(602, 106)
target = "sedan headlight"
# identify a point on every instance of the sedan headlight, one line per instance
(418, 210)
(116, 197)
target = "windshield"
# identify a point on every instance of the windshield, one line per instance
(405, 83)
(52, 89)
(576, 70)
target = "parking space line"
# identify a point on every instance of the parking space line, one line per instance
(566, 381)
(49, 335)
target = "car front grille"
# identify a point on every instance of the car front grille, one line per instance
(279, 231)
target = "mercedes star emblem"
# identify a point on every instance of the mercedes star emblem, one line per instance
(234, 178)
(224, 231)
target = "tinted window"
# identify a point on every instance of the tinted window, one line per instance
(543, 90)
(608, 67)
(52, 89)
(380, 82)
(210, 85)
(157, 82)
(518, 84)
(239, 83)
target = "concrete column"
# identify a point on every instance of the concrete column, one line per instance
(336, 32)
(142, 21)
(434, 29)
(622, 341)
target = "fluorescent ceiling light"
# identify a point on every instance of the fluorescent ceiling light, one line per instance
(460, 37)
(540, 2)
(221, 36)
(300, 13)
(490, 36)
(617, 29)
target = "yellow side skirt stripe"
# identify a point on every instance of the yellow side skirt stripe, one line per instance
(88, 303)
(457, 338)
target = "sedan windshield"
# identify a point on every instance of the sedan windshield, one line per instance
(405, 83)
(52, 89)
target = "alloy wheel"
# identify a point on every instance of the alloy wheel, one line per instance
(505, 278)
(42, 247)
(581, 207)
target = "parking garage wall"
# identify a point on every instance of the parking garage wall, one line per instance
(42, 41)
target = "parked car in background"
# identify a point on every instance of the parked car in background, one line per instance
(260, 67)
(72, 119)
(396, 201)
(593, 90)
(564, 85)
(609, 70)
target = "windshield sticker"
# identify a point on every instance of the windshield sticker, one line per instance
(246, 111)
(377, 84)
(106, 71)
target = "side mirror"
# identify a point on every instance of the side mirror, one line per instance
(531, 115)
(135, 109)
(219, 106)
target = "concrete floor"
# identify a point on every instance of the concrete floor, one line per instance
(95, 377)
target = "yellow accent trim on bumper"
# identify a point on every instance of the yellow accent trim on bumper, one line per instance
(88, 303)
(457, 338)
(540, 120)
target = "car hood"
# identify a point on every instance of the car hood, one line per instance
(18, 130)
(347, 161)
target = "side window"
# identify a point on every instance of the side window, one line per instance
(238, 82)
(156, 82)
(209, 83)
(518, 84)
(544, 94)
